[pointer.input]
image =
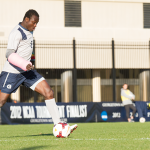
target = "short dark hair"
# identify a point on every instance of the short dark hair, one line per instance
(30, 13)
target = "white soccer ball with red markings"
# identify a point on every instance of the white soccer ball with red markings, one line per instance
(61, 130)
(142, 120)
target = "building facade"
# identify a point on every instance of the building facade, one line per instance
(93, 24)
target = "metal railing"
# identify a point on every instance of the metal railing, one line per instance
(118, 63)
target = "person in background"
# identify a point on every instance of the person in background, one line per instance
(127, 96)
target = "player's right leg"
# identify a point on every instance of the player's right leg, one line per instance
(4, 88)
(9, 83)
(3, 98)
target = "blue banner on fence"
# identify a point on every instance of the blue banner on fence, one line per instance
(26, 113)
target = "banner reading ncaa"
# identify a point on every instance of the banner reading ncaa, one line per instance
(12, 113)
(31, 113)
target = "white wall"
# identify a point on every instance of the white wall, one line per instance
(118, 20)
(101, 20)
(51, 15)
(112, 15)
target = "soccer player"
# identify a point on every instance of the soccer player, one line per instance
(127, 96)
(19, 70)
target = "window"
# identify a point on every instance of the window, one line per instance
(72, 13)
(146, 15)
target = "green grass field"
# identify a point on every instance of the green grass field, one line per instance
(91, 136)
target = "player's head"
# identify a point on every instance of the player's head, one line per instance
(125, 86)
(31, 19)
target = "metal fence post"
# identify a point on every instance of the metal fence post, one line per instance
(0, 116)
(74, 72)
(149, 53)
(34, 47)
(113, 71)
(35, 94)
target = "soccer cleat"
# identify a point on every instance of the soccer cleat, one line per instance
(61, 130)
(73, 127)
(132, 120)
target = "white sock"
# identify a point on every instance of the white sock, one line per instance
(53, 110)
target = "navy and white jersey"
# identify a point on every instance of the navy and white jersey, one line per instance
(20, 40)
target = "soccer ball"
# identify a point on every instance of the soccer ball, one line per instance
(61, 130)
(142, 120)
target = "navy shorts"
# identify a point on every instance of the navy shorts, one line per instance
(9, 82)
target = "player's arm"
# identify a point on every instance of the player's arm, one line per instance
(123, 93)
(14, 58)
(18, 61)
(133, 96)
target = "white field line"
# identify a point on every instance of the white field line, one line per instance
(120, 139)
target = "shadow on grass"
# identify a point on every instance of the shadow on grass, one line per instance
(40, 134)
(33, 148)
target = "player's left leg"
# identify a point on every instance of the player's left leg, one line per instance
(44, 89)
(133, 113)
(127, 112)
(37, 83)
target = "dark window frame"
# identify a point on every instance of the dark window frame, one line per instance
(146, 15)
(72, 14)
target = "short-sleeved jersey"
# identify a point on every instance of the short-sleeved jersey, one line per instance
(20, 40)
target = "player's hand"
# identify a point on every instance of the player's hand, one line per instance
(29, 67)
